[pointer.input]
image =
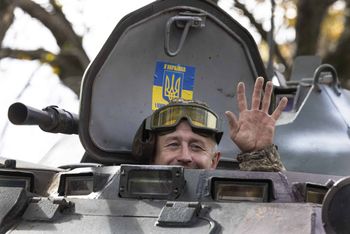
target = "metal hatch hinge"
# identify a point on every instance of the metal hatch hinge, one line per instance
(184, 20)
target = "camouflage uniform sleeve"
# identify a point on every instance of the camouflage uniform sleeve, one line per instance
(266, 159)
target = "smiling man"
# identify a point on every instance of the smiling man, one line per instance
(188, 144)
(187, 133)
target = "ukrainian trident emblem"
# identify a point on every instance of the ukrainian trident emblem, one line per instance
(172, 85)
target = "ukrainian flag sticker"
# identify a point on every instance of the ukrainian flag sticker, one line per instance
(172, 81)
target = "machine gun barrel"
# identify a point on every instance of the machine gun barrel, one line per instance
(50, 119)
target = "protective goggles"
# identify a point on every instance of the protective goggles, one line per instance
(199, 117)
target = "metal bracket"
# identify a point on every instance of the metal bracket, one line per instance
(45, 209)
(179, 214)
(335, 82)
(185, 21)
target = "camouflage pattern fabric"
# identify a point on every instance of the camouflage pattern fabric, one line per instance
(266, 159)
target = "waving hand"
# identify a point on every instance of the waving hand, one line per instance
(254, 129)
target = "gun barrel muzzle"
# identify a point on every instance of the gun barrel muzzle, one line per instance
(50, 119)
(21, 114)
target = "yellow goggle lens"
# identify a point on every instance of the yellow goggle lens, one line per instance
(198, 116)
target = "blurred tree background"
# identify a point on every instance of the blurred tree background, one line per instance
(70, 61)
(302, 27)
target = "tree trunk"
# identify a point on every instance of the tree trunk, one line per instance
(308, 26)
(340, 58)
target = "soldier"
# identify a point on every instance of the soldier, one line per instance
(187, 133)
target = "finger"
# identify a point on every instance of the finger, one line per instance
(283, 103)
(257, 93)
(241, 98)
(267, 97)
(232, 121)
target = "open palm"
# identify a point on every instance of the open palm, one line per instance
(255, 128)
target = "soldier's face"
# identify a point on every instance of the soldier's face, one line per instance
(186, 148)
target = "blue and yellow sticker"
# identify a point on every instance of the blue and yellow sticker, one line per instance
(172, 81)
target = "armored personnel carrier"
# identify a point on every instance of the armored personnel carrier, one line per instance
(203, 53)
